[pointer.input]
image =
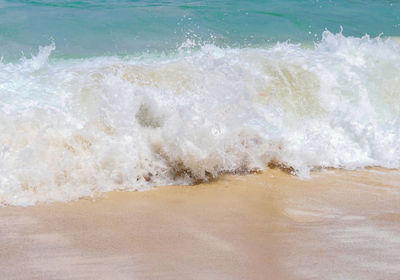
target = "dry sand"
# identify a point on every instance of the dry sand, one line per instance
(338, 225)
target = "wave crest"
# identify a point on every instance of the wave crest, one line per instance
(71, 128)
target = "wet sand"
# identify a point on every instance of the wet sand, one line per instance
(337, 225)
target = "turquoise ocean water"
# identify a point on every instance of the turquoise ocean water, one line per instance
(88, 28)
(98, 96)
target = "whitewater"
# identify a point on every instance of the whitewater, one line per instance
(77, 127)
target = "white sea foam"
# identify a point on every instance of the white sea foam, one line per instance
(71, 128)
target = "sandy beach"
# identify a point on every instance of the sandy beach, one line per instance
(337, 225)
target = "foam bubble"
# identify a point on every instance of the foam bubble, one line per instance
(71, 128)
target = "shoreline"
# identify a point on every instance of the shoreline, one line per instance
(259, 226)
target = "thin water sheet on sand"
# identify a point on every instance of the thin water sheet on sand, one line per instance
(337, 225)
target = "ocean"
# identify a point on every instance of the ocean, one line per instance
(98, 96)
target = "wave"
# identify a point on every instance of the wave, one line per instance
(73, 128)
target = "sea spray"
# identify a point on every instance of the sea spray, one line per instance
(75, 127)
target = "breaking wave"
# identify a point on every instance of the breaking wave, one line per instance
(76, 127)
